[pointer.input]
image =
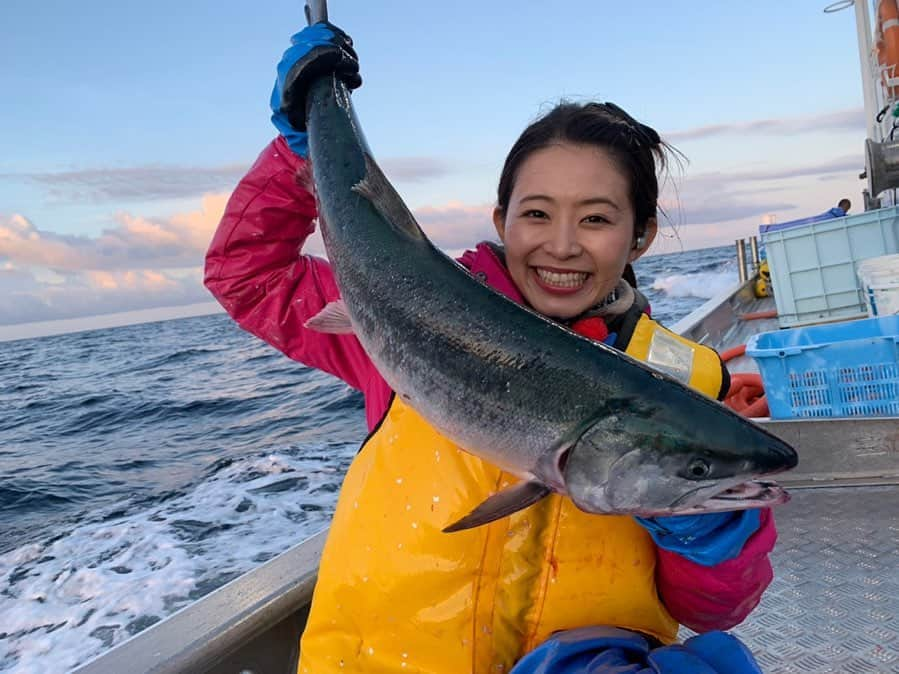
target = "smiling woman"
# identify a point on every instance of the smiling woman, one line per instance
(576, 204)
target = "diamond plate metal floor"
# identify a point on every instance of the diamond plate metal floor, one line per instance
(833, 606)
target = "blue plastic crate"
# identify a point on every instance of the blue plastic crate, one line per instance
(838, 370)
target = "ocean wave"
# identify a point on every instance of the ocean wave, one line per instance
(180, 357)
(703, 285)
(21, 495)
(76, 595)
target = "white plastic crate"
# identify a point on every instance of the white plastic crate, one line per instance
(879, 278)
(813, 265)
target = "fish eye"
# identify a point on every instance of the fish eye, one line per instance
(699, 468)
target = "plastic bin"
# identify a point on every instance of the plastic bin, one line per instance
(813, 266)
(839, 370)
(879, 277)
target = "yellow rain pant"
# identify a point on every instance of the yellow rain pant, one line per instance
(395, 594)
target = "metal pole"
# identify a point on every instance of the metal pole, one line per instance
(754, 250)
(316, 11)
(741, 259)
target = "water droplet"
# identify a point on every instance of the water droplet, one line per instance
(371, 651)
(399, 480)
(415, 525)
(436, 499)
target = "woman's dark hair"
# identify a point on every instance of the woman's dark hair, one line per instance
(634, 147)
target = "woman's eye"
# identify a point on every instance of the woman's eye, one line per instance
(534, 213)
(595, 220)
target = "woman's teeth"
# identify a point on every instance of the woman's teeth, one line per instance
(572, 279)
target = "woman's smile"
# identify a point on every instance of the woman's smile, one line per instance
(560, 281)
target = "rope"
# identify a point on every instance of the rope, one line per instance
(839, 5)
(747, 393)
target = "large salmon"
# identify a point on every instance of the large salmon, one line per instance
(564, 413)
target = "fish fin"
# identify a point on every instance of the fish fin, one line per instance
(501, 504)
(333, 319)
(377, 189)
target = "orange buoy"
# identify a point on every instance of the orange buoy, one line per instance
(887, 44)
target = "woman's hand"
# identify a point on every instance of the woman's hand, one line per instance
(317, 50)
(611, 650)
(707, 539)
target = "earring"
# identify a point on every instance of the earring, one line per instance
(640, 242)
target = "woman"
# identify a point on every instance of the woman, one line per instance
(576, 205)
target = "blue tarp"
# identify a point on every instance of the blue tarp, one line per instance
(834, 212)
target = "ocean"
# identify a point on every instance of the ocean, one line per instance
(144, 466)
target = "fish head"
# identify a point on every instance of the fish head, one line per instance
(664, 473)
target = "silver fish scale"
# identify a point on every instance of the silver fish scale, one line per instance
(833, 606)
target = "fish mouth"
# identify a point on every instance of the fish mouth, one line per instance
(745, 496)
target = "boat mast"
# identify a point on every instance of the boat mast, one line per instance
(881, 157)
(865, 50)
(865, 53)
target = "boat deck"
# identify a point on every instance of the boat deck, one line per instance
(725, 329)
(833, 606)
(834, 603)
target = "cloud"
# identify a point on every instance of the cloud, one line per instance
(136, 243)
(15, 280)
(455, 224)
(142, 263)
(145, 263)
(843, 120)
(414, 169)
(148, 262)
(728, 196)
(728, 208)
(96, 292)
(151, 183)
(841, 165)
(145, 183)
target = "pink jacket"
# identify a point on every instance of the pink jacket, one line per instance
(255, 269)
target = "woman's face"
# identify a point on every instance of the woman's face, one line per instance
(569, 229)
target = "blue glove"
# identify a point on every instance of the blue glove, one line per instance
(317, 50)
(610, 650)
(707, 539)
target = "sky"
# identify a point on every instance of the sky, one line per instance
(125, 125)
